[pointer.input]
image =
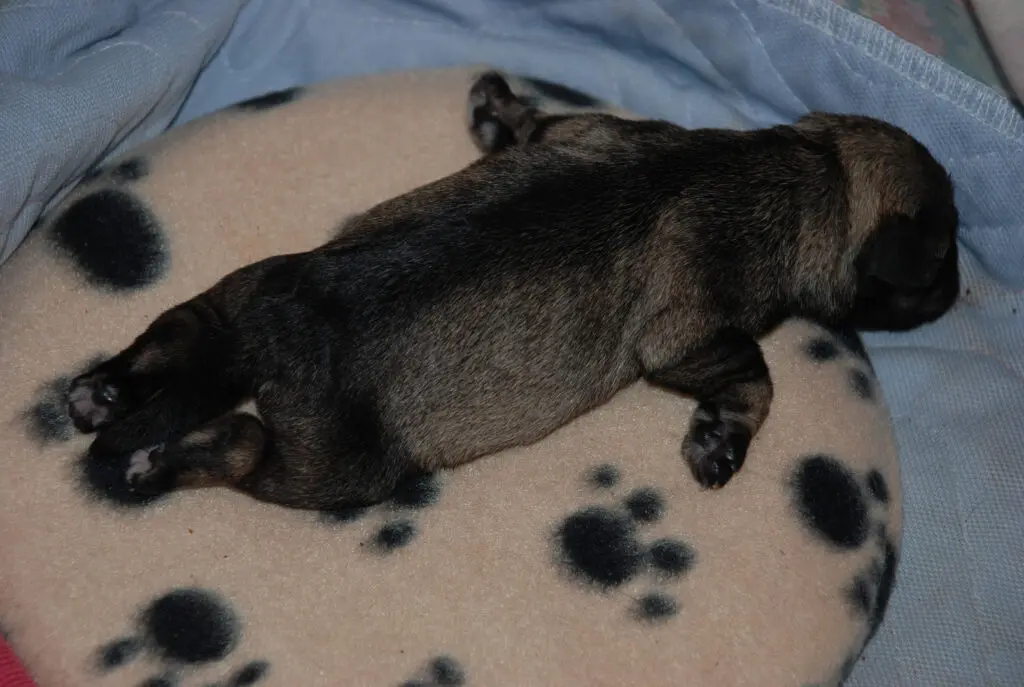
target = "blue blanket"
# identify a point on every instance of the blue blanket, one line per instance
(88, 79)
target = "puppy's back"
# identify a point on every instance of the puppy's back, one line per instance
(492, 306)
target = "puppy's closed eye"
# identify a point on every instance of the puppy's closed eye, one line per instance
(882, 305)
(899, 252)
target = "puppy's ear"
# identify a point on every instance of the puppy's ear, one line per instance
(815, 121)
(899, 253)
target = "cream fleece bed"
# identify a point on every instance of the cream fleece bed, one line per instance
(590, 558)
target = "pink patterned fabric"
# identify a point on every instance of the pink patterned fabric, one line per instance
(944, 28)
(12, 672)
(909, 19)
(1003, 22)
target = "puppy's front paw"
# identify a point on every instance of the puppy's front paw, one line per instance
(147, 472)
(715, 447)
(91, 402)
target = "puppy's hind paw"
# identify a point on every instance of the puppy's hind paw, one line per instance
(490, 102)
(91, 402)
(715, 447)
(148, 472)
(490, 86)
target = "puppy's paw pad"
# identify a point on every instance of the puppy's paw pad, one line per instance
(91, 403)
(715, 448)
(140, 463)
(145, 470)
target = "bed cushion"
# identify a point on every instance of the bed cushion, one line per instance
(589, 556)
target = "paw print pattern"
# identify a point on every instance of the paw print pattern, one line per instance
(125, 171)
(442, 671)
(48, 422)
(871, 589)
(270, 100)
(869, 592)
(602, 545)
(840, 348)
(47, 418)
(413, 493)
(836, 505)
(184, 630)
(830, 502)
(113, 239)
(106, 481)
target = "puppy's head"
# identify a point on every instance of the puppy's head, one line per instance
(903, 223)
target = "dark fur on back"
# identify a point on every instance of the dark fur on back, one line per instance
(485, 310)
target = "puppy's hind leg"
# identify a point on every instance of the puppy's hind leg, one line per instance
(301, 458)
(728, 376)
(497, 118)
(218, 454)
(323, 454)
(175, 376)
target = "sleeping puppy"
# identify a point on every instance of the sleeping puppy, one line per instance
(484, 310)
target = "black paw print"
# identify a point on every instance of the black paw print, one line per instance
(47, 418)
(833, 502)
(844, 345)
(125, 171)
(270, 100)
(836, 505)
(184, 629)
(871, 589)
(442, 671)
(601, 545)
(48, 422)
(112, 237)
(413, 493)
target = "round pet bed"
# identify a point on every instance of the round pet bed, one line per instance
(591, 557)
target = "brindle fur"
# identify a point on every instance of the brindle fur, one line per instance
(581, 253)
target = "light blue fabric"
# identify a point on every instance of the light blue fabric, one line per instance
(956, 389)
(80, 80)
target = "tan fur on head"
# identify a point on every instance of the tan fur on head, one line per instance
(900, 249)
(886, 170)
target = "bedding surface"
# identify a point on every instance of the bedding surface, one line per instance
(956, 389)
(947, 29)
(590, 557)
